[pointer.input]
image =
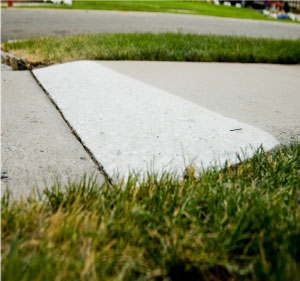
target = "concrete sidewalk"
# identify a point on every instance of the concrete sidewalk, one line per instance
(38, 147)
(130, 125)
(264, 95)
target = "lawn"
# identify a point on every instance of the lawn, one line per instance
(237, 223)
(158, 47)
(185, 7)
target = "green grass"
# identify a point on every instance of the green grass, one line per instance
(184, 7)
(193, 7)
(159, 47)
(238, 223)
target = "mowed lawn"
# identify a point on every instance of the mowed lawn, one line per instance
(156, 47)
(184, 7)
(237, 223)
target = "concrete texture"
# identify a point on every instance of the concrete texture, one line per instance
(38, 147)
(263, 95)
(5, 67)
(129, 125)
(20, 24)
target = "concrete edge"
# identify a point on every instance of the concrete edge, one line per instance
(99, 166)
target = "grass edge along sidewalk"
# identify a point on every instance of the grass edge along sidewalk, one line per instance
(238, 223)
(156, 47)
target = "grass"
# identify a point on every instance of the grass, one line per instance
(238, 223)
(183, 7)
(159, 47)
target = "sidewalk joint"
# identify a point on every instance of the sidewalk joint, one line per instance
(99, 166)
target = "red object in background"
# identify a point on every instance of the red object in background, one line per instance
(278, 4)
(10, 3)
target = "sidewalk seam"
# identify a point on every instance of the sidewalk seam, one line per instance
(99, 166)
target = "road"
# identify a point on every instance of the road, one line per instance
(18, 24)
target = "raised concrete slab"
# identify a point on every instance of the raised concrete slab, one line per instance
(37, 146)
(263, 95)
(129, 125)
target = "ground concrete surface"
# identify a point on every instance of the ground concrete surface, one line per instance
(37, 147)
(129, 125)
(263, 95)
(18, 24)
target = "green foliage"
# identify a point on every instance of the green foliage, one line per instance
(190, 7)
(238, 223)
(161, 47)
(182, 7)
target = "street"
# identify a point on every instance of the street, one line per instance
(18, 24)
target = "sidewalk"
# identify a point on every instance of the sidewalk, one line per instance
(211, 99)
(37, 147)
(130, 125)
(263, 95)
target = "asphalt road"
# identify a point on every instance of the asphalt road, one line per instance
(20, 24)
